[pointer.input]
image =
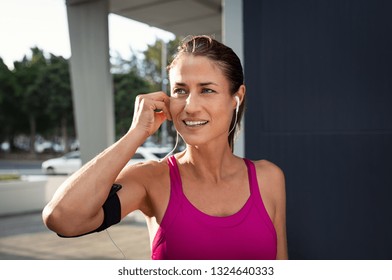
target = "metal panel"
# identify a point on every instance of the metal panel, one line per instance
(319, 88)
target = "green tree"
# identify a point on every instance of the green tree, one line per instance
(35, 97)
(43, 91)
(55, 85)
(152, 63)
(28, 74)
(9, 108)
(123, 65)
(126, 87)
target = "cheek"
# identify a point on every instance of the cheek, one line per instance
(175, 107)
(224, 111)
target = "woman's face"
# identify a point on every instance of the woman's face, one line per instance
(201, 105)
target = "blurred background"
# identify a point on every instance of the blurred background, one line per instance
(318, 76)
(37, 113)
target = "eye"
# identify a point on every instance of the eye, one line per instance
(179, 91)
(207, 90)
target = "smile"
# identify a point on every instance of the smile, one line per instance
(195, 123)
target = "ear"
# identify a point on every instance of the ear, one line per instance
(240, 93)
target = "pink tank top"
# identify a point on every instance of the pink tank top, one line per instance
(186, 233)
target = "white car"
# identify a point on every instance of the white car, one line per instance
(71, 162)
(143, 154)
(66, 164)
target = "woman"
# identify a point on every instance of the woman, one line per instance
(202, 203)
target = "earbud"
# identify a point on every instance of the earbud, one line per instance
(236, 112)
(238, 104)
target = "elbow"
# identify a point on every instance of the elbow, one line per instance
(67, 223)
(55, 221)
(50, 218)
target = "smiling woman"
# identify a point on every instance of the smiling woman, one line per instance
(201, 203)
(201, 99)
(219, 58)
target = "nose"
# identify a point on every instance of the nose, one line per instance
(192, 104)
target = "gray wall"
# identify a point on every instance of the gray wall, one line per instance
(319, 87)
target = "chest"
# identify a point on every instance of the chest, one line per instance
(218, 200)
(187, 233)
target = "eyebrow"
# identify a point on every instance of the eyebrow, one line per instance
(199, 84)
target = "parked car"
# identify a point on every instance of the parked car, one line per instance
(66, 164)
(71, 162)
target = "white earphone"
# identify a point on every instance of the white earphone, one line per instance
(236, 112)
(238, 104)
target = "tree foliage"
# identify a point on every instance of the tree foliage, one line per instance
(36, 95)
(126, 87)
(8, 103)
(56, 86)
(152, 63)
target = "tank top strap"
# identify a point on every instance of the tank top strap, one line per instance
(256, 195)
(254, 186)
(175, 177)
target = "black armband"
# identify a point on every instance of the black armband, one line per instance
(111, 211)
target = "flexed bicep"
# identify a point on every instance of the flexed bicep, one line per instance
(133, 195)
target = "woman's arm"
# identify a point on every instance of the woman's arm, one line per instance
(76, 207)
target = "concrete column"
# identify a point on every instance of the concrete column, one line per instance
(232, 35)
(90, 74)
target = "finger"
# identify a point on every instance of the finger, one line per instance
(158, 102)
(158, 95)
(161, 103)
(166, 109)
(163, 108)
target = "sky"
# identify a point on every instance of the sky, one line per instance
(43, 23)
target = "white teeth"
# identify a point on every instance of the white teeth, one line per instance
(195, 123)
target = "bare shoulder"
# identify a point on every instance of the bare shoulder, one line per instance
(151, 166)
(142, 184)
(271, 181)
(269, 171)
(143, 173)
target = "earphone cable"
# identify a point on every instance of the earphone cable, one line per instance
(235, 122)
(114, 243)
(175, 147)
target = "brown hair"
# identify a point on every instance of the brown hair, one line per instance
(228, 62)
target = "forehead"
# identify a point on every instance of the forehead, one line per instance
(191, 67)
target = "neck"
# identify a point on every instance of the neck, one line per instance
(208, 162)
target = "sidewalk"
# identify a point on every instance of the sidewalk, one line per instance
(26, 237)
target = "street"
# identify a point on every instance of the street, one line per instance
(22, 167)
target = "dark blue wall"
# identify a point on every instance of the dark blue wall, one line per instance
(319, 85)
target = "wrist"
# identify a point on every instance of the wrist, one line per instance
(138, 136)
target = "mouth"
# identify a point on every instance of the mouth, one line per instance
(195, 123)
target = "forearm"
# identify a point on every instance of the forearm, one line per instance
(97, 176)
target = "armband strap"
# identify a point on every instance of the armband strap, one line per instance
(111, 212)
